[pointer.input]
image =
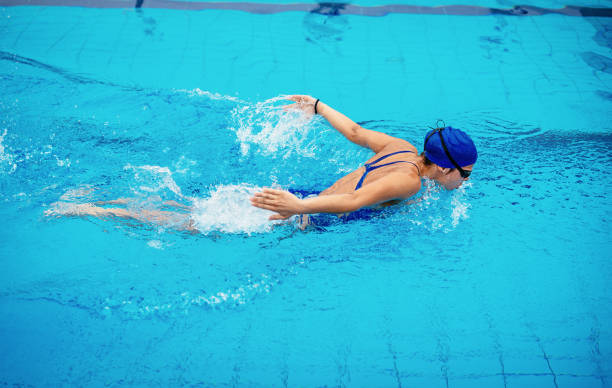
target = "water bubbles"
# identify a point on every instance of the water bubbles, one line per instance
(152, 179)
(459, 206)
(433, 210)
(156, 244)
(7, 164)
(204, 93)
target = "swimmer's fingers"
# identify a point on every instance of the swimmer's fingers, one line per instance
(263, 197)
(303, 102)
(263, 201)
(279, 201)
(266, 206)
(291, 107)
(278, 216)
(301, 98)
(268, 190)
(267, 201)
(271, 193)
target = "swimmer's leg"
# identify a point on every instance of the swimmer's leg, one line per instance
(87, 209)
(174, 220)
(177, 205)
(125, 201)
(118, 201)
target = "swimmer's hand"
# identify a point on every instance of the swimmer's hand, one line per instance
(282, 202)
(302, 102)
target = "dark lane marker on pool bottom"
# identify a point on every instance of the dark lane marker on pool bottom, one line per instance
(324, 8)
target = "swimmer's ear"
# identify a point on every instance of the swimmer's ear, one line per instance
(442, 170)
(445, 170)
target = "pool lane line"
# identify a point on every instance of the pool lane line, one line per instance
(319, 8)
(11, 57)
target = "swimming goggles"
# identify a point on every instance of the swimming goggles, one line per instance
(464, 174)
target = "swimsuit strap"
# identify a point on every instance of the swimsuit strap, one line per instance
(369, 166)
(386, 156)
(415, 165)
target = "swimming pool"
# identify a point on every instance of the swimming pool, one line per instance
(502, 283)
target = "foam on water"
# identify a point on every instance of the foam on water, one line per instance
(228, 209)
(434, 210)
(153, 179)
(119, 300)
(459, 205)
(272, 129)
(181, 302)
(6, 159)
(204, 93)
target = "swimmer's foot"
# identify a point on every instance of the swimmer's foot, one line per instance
(80, 193)
(59, 209)
(303, 221)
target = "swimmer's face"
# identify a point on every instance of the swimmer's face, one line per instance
(451, 179)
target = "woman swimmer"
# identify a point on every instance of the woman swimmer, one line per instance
(394, 173)
(448, 158)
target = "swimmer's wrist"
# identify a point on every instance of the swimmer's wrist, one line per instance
(303, 207)
(320, 107)
(336, 203)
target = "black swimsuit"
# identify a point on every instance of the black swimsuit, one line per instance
(369, 166)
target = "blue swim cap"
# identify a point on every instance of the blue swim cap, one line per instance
(459, 145)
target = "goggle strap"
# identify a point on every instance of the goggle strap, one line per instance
(448, 155)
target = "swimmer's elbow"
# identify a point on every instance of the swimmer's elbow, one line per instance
(354, 203)
(354, 134)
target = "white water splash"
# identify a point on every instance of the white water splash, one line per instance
(270, 128)
(228, 209)
(459, 207)
(435, 212)
(6, 160)
(205, 93)
(153, 179)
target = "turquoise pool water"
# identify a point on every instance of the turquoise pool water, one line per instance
(504, 283)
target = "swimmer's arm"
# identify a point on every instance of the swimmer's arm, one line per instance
(388, 188)
(367, 138)
(373, 140)
(285, 204)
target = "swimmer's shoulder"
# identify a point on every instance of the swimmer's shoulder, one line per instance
(400, 145)
(404, 183)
